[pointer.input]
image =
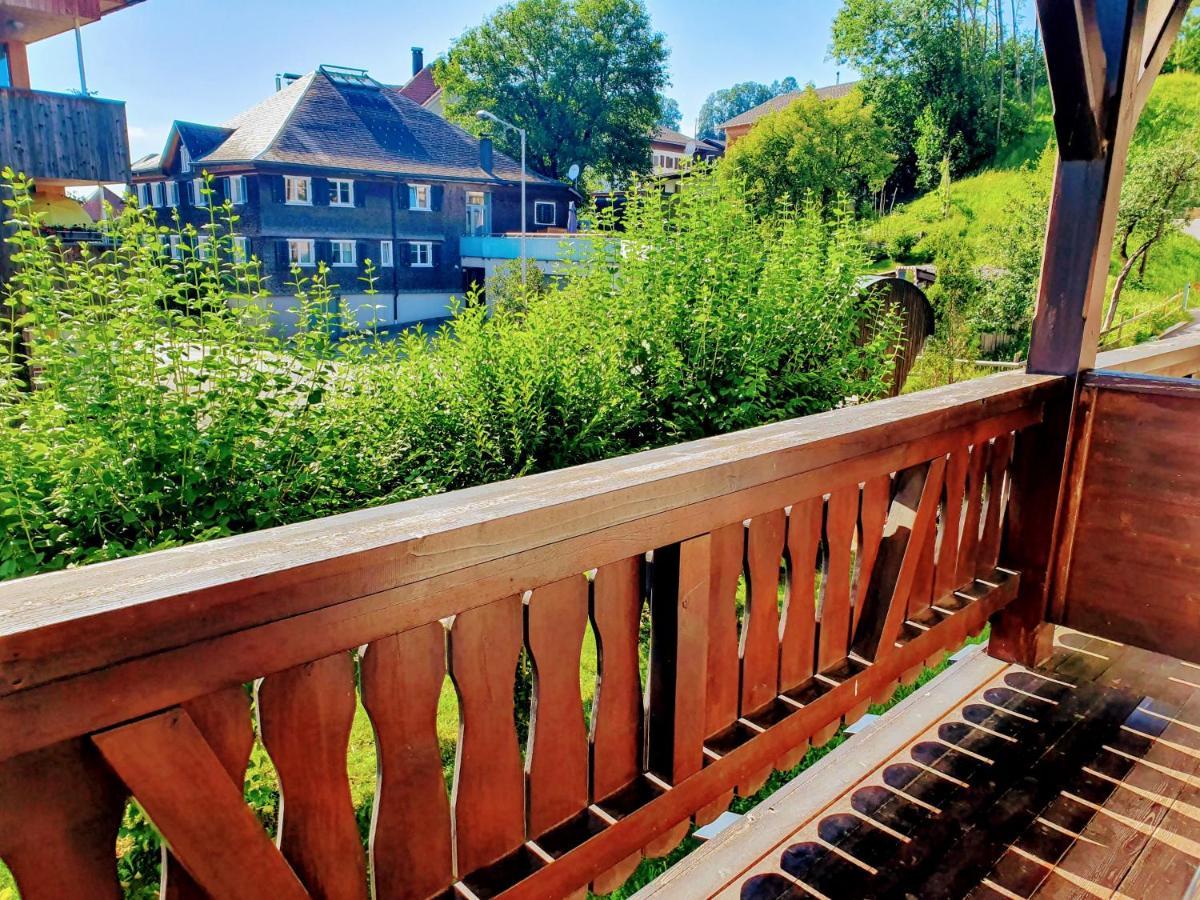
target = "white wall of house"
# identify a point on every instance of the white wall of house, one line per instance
(366, 308)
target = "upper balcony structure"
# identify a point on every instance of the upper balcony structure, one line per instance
(55, 138)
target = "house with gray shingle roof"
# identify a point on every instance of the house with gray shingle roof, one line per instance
(740, 125)
(336, 167)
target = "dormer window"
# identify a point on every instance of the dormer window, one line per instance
(185, 159)
(297, 190)
(341, 192)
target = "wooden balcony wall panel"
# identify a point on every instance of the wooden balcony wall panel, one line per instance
(509, 828)
(1128, 568)
(64, 137)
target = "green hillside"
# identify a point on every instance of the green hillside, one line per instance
(926, 231)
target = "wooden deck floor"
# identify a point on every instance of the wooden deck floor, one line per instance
(1080, 780)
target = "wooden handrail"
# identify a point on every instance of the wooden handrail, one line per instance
(884, 522)
(1173, 357)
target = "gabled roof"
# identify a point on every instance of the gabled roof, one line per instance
(368, 127)
(679, 139)
(150, 164)
(421, 87)
(750, 116)
(200, 139)
(668, 136)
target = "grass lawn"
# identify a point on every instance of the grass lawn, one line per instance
(979, 205)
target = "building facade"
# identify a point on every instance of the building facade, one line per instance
(337, 168)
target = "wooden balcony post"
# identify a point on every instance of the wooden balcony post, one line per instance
(1102, 57)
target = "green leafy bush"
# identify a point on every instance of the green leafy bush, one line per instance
(165, 410)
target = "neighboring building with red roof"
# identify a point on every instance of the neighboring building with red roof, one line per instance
(740, 125)
(422, 88)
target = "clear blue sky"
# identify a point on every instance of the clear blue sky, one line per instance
(204, 60)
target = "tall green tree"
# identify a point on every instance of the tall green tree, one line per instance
(1185, 55)
(670, 116)
(1161, 189)
(954, 62)
(813, 147)
(583, 77)
(723, 105)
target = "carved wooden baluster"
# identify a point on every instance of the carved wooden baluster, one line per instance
(679, 603)
(617, 710)
(557, 762)
(402, 679)
(721, 711)
(918, 491)
(760, 628)
(305, 715)
(60, 809)
(489, 780)
(841, 522)
(946, 577)
(968, 548)
(876, 500)
(798, 644)
(226, 721)
(989, 543)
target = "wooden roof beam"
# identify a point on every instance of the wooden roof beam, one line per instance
(1076, 67)
(1163, 21)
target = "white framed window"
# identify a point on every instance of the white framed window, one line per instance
(420, 197)
(199, 198)
(343, 253)
(241, 248)
(143, 195)
(341, 192)
(156, 194)
(204, 246)
(236, 189)
(301, 252)
(385, 254)
(477, 212)
(297, 190)
(545, 212)
(420, 254)
(173, 243)
(185, 159)
(172, 193)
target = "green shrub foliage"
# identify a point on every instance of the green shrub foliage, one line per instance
(165, 409)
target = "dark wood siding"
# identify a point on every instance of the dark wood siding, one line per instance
(64, 137)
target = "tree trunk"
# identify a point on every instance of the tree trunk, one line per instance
(1000, 51)
(1119, 284)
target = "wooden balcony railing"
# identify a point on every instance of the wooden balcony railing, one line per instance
(64, 137)
(787, 577)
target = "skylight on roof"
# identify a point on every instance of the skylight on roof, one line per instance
(346, 75)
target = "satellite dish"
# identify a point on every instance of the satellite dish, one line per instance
(690, 150)
(573, 172)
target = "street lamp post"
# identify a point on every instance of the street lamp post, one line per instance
(485, 114)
